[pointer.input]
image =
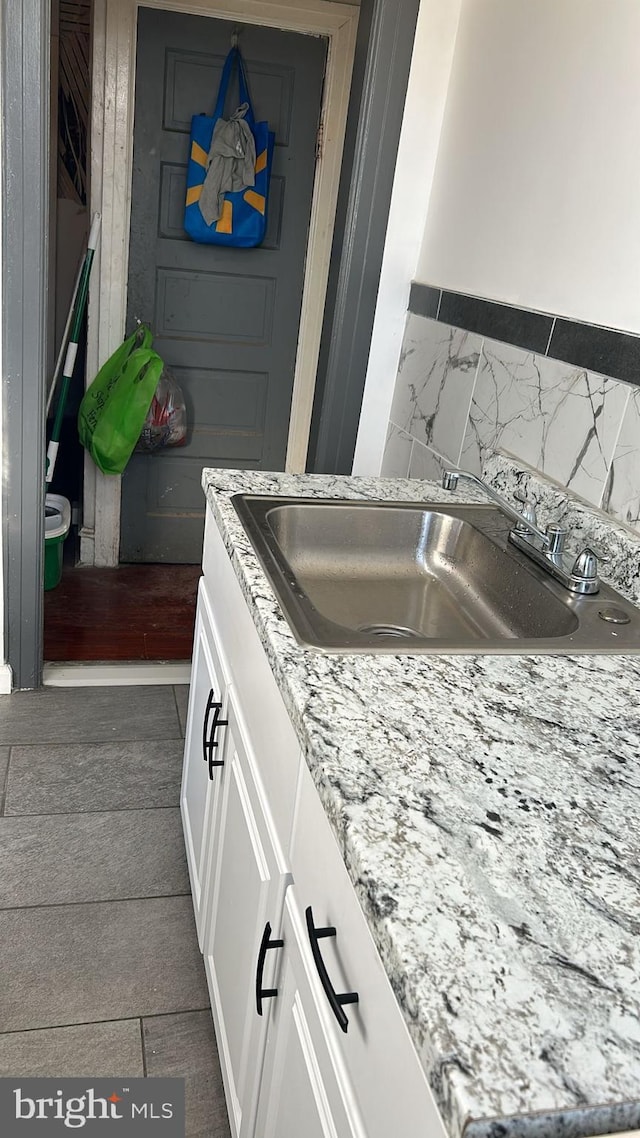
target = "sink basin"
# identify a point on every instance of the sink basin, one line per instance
(360, 576)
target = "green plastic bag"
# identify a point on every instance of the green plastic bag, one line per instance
(115, 406)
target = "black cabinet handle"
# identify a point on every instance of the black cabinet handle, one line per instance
(209, 741)
(265, 944)
(335, 1000)
(211, 703)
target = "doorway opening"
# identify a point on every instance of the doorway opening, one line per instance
(230, 324)
(386, 32)
(92, 614)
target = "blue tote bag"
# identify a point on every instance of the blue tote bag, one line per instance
(243, 219)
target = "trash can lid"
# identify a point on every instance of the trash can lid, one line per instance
(57, 516)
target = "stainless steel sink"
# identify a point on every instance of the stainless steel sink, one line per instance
(359, 576)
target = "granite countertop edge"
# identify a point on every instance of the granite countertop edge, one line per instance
(455, 761)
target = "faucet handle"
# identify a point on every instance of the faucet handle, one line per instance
(585, 570)
(585, 566)
(556, 536)
(602, 554)
(586, 563)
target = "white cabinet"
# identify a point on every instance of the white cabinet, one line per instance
(305, 1088)
(261, 853)
(247, 884)
(204, 749)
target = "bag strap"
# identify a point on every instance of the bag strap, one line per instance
(244, 90)
(227, 71)
(141, 338)
(140, 361)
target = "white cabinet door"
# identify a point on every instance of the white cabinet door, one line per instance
(265, 716)
(373, 1041)
(204, 748)
(304, 1090)
(247, 885)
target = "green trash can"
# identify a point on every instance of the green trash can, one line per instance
(57, 522)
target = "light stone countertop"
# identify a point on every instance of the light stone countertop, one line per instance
(488, 810)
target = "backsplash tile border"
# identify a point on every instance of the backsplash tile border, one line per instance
(590, 346)
(424, 300)
(616, 354)
(520, 327)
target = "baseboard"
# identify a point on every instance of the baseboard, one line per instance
(115, 675)
(6, 679)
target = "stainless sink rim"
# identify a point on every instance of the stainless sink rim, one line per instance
(315, 632)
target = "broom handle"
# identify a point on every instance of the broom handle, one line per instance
(72, 346)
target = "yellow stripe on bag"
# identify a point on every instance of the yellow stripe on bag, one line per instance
(261, 162)
(198, 154)
(225, 223)
(193, 194)
(254, 199)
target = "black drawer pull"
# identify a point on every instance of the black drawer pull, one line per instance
(335, 1000)
(209, 741)
(265, 944)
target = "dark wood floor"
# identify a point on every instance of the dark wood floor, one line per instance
(133, 612)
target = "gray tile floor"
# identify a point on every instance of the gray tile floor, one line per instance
(101, 973)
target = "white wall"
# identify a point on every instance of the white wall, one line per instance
(424, 110)
(536, 197)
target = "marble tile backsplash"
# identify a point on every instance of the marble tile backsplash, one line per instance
(459, 398)
(622, 490)
(437, 368)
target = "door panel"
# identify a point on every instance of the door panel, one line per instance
(211, 307)
(304, 1088)
(246, 885)
(200, 789)
(225, 320)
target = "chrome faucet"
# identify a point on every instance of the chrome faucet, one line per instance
(546, 547)
(525, 520)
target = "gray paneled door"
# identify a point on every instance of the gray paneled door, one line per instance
(224, 320)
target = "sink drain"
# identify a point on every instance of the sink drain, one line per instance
(614, 615)
(385, 630)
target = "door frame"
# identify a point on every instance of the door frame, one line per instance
(113, 102)
(24, 94)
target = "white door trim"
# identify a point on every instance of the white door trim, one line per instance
(89, 675)
(114, 59)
